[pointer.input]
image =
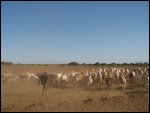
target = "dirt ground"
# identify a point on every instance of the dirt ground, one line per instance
(26, 95)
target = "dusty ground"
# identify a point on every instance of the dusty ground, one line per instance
(26, 95)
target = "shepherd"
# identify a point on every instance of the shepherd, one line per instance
(43, 80)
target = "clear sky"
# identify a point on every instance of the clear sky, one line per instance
(65, 31)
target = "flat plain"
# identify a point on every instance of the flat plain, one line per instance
(24, 95)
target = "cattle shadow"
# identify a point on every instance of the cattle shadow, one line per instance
(94, 89)
(136, 92)
(118, 88)
(132, 86)
(59, 86)
(127, 88)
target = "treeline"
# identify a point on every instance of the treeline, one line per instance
(6, 63)
(11, 63)
(78, 64)
(112, 64)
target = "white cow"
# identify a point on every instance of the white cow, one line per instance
(7, 75)
(29, 75)
(99, 78)
(12, 79)
(63, 79)
(90, 81)
(123, 82)
(58, 77)
(145, 79)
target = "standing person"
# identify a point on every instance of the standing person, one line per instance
(43, 79)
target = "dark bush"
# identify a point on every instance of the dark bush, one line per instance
(96, 64)
(6, 63)
(73, 63)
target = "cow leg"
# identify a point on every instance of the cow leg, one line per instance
(99, 85)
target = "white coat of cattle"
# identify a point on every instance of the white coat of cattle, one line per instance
(145, 79)
(58, 76)
(123, 82)
(29, 75)
(7, 74)
(12, 79)
(90, 81)
(64, 79)
(99, 78)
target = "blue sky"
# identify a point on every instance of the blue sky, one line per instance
(86, 32)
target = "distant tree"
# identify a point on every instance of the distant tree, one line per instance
(138, 64)
(89, 64)
(73, 63)
(113, 64)
(145, 63)
(131, 63)
(6, 63)
(124, 63)
(103, 64)
(96, 64)
(83, 63)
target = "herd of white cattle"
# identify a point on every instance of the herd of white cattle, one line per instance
(94, 77)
